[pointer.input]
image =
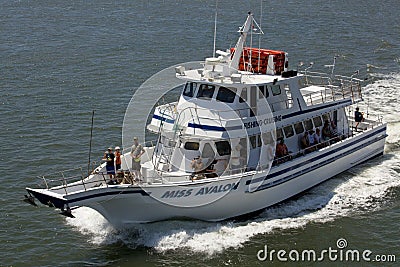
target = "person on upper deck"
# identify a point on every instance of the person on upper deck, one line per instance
(358, 116)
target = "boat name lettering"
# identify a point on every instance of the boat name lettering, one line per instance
(202, 191)
(259, 123)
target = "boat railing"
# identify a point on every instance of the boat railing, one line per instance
(69, 178)
(335, 87)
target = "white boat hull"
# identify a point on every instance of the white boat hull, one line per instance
(221, 199)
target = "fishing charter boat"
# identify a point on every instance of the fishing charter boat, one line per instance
(246, 133)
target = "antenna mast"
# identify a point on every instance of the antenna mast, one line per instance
(215, 25)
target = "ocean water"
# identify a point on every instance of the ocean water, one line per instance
(60, 60)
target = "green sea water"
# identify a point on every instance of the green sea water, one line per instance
(59, 60)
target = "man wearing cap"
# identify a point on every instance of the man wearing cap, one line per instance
(136, 152)
(109, 159)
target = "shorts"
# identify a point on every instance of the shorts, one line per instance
(117, 166)
(110, 169)
(136, 165)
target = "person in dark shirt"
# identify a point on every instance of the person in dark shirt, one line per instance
(109, 159)
(358, 117)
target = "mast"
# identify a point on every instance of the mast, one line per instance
(239, 45)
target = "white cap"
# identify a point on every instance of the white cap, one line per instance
(117, 148)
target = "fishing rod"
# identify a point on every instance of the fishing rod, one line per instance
(90, 142)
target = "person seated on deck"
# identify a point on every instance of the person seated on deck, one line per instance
(311, 140)
(282, 152)
(236, 159)
(358, 116)
(304, 141)
(198, 168)
(326, 132)
(210, 171)
(317, 138)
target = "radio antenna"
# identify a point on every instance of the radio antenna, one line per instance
(215, 25)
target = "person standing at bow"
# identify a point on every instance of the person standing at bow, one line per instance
(136, 152)
(109, 159)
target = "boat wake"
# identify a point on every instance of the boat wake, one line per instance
(362, 189)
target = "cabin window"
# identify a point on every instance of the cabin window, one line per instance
(226, 95)
(263, 91)
(308, 125)
(206, 91)
(267, 138)
(192, 146)
(189, 89)
(207, 152)
(317, 121)
(223, 148)
(298, 127)
(255, 141)
(279, 133)
(243, 95)
(288, 131)
(276, 89)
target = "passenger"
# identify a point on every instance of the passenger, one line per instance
(282, 151)
(317, 136)
(236, 161)
(198, 168)
(326, 132)
(136, 152)
(305, 141)
(313, 139)
(117, 158)
(358, 117)
(109, 159)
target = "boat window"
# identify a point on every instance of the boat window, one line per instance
(276, 89)
(189, 89)
(259, 143)
(279, 133)
(226, 94)
(253, 140)
(206, 91)
(223, 148)
(263, 91)
(243, 95)
(308, 124)
(288, 131)
(207, 152)
(267, 138)
(298, 127)
(192, 146)
(317, 121)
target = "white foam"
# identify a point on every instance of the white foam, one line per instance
(362, 189)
